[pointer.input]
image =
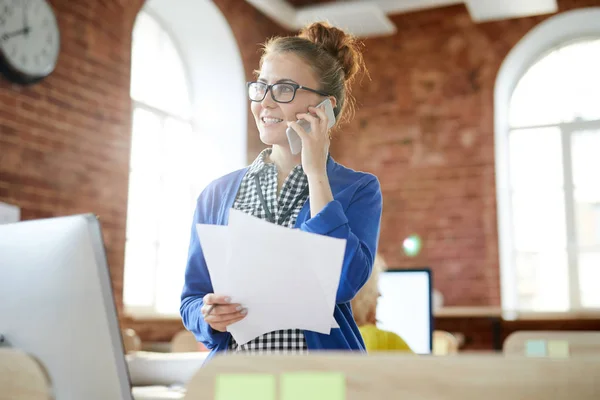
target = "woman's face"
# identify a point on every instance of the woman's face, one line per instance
(270, 116)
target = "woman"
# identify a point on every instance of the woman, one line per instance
(309, 191)
(364, 309)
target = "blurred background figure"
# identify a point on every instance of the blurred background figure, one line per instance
(364, 309)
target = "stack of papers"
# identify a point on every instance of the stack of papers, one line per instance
(286, 278)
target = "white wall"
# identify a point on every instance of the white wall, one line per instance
(216, 73)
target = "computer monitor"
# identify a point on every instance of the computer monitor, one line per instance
(56, 303)
(405, 306)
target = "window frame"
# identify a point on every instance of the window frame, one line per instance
(555, 32)
(151, 311)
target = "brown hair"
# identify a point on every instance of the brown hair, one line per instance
(334, 55)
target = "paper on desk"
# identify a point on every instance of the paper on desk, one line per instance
(286, 278)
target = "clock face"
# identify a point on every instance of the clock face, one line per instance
(29, 38)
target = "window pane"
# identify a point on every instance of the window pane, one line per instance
(585, 154)
(589, 278)
(545, 147)
(139, 279)
(144, 196)
(145, 50)
(587, 216)
(543, 281)
(174, 96)
(580, 93)
(561, 87)
(539, 221)
(535, 99)
(177, 147)
(144, 142)
(174, 237)
(175, 214)
(158, 76)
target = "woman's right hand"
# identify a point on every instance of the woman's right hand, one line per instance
(219, 313)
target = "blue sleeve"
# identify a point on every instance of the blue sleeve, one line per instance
(197, 284)
(359, 225)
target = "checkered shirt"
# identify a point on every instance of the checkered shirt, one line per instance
(248, 200)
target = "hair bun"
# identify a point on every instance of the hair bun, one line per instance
(342, 46)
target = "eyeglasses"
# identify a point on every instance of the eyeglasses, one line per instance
(280, 92)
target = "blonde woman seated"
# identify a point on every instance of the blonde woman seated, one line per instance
(364, 307)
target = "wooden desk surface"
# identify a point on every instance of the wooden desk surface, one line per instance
(386, 376)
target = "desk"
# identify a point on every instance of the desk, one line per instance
(389, 376)
(471, 321)
(493, 314)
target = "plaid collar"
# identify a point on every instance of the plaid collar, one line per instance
(259, 164)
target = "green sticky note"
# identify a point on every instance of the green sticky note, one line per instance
(535, 348)
(245, 387)
(313, 386)
(558, 348)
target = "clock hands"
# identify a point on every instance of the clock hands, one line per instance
(25, 22)
(24, 31)
(6, 36)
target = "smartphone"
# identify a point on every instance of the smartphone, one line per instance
(294, 139)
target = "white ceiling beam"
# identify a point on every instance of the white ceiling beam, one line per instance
(359, 18)
(402, 6)
(493, 10)
(279, 11)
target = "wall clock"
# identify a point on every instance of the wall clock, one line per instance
(29, 40)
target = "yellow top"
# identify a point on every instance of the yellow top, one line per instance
(378, 340)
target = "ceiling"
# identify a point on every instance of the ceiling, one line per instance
(369, 18)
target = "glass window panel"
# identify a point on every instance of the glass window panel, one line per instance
(143, 203)
(534, 101)
(580, 92)
(539, 221)
(536, 158)
(172, 252)
(139, 278)
(158, 76)
(587, 216)
(585, 155)
(589, 278)
(146, 49)
(545, 287)
(144, 141)
(173, 93)
(177, 147)
(561, 87)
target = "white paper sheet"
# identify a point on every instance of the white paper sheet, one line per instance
(287, 278)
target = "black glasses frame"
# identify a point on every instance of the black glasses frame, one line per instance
(294, 85)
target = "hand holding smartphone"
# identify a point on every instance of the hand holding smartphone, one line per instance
(294, 139)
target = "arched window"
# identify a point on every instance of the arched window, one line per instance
(161, 185)
(547, 127)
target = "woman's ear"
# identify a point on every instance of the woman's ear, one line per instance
(333, 101)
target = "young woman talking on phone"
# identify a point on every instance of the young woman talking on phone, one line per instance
(308, 190)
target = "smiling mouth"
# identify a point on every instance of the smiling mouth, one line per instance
(270, 121)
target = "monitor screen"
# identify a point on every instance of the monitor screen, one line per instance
(405, 307)
(56, 303)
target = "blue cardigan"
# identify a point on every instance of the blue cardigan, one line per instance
(354, 215)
